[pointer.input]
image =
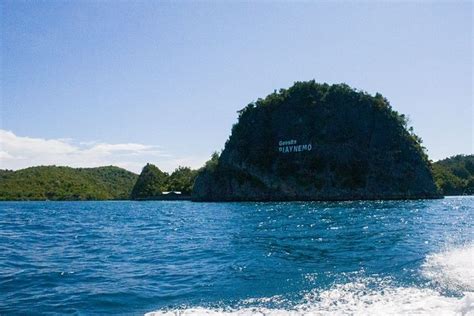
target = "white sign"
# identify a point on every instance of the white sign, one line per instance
(291, 146)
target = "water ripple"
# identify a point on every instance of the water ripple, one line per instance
(135, 257)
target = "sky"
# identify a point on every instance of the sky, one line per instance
(89, 83)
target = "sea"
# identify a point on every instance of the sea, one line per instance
(184, 258)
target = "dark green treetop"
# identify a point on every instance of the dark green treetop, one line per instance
(212, 163)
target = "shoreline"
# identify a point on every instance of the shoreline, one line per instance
(241, 201)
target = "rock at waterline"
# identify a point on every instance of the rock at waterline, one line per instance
(318, 142)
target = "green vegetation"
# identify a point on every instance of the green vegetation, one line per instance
(182, 179)
(102, 183)
(212, 163)
(65, 183)
(455, 175)
(152, 182)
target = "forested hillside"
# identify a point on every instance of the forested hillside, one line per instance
(65, 183)
(152, 182)
(455, 175)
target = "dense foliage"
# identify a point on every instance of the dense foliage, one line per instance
(152, 182)
(212, 163)
(65, 183)
(182, 179)
(455, 175)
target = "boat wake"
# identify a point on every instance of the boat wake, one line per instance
(448, 270)
(452, 269)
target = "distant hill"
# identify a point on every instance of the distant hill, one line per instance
(65, 183)
(455, 175)
(152, 182)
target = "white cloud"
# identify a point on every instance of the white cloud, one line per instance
(17, 152)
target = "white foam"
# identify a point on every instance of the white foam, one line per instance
(453, 269)
(357, 298)
(354, 299)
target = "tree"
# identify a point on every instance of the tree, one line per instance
(182, 179)
(212, 163)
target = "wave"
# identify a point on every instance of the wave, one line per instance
(452, 269)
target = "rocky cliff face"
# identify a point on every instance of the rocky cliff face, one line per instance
(318, 142)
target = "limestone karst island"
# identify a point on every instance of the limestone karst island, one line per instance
(318, 142)
(308, 142)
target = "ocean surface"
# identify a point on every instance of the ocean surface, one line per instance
(183, 258)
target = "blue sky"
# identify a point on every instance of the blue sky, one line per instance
(103, 82)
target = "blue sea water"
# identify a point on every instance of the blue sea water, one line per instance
(179, 257)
